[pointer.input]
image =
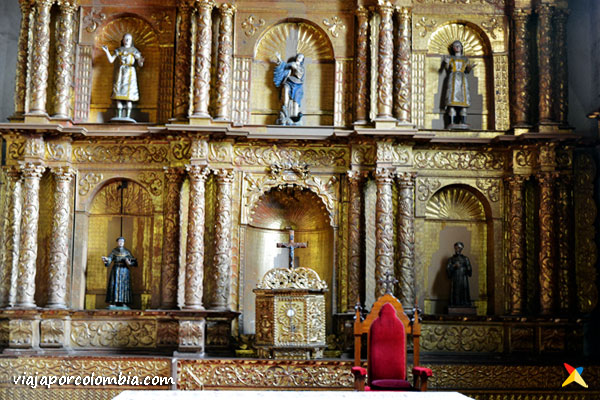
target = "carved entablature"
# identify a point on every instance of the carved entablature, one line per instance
(292, 278)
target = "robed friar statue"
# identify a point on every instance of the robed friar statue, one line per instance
(459, 270)
(118, 292)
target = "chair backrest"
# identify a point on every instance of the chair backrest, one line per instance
(387, 347)
(389, 306)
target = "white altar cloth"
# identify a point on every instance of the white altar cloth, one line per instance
(285, 395)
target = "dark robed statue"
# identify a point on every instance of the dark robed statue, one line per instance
(118, 292)
(459, 270)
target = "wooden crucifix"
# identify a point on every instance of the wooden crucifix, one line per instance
(292, 245)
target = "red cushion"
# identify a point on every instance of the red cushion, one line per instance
(387, 347)
(390, 384)
(422, 371)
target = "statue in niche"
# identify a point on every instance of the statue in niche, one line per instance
(457, 86)
(125, 86)
(290, 77)
(118, 292)
(459, 270)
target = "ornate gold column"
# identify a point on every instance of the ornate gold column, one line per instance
(384, 229)
(545, 51)
(355, 247)
(547, 251)
(406, 238)
(516, 251)
(203, 53)
(403, 68)
(29, 227)
(222, 259)
(521, 82)
(561, 67)
(41, 49)
(64, 59)
(194, 268)
(183, 60)
(59, 241)
(21, 72)
(362, 77)
(565, 242)
(385, 57)
(225, 62)
(170, 257)
(12, 235)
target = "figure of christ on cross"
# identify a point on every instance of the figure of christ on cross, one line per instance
(292, 245)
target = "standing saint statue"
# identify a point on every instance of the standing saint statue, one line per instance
(459, 270)
(118, 292)
(125, 86)
(290, 77)
(457, 86)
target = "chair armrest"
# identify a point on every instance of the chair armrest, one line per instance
(423, 372)
(360, 374)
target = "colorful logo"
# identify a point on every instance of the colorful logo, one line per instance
(574, 376)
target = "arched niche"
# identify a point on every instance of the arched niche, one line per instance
(456, 213)
(477, 48)
(289, 38)
(146, 40)
(277, 209)
(137, 216)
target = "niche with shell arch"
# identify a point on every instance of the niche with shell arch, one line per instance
(289, 38)
(146, 40)
(138, 230)
(477, 47)
(298, 208)
(456, 213)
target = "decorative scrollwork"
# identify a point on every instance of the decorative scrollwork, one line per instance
(93, 19)
(334, 26)
(153, 182)
(491, 25)
(425, 26)
(291, 278)
(162, 21)
(113, 334)
(490, 186)
(318, 157)
(251, 25)
(121, 154)
(88, 181)
(459, 160)
(426, 186)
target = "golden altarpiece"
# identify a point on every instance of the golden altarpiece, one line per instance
(372, 179)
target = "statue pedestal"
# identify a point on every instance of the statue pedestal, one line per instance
(290, 314)
(462, 310)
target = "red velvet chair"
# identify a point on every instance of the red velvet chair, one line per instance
(386, 328)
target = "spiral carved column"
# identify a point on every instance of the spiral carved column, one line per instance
(12, 235)
(59, 242)
(183, 61)
(28, 244)
(521, 98)
(386, 61)
(362, 80)
(41, 48)
(64, 59)
(403, 68)
(203, 54)
(194, 268)
(561, 71)
(516, 252)
(21, 72)
(547, 235)
(355, 248)
(384, 229)
(565, 242)
(545, 63)
(222, 259)
(406, 238)
(170, 260)
(225, 62)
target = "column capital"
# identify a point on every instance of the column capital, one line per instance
(225, 175)
(521, 13)
(385, 6)
(356, 176)
(25, 5)
(68, 6)
(227, 9)
(403, 12)
(406, 178)
(63, 173)
(384, 175)
(361, 11)
(12, 172)
(205, 4)
(197, 172)
(544, 9)
(516, 181)
(174, 174)
(31, 170)
(44, 3)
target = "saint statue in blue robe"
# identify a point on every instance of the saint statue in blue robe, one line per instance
(290, 77)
